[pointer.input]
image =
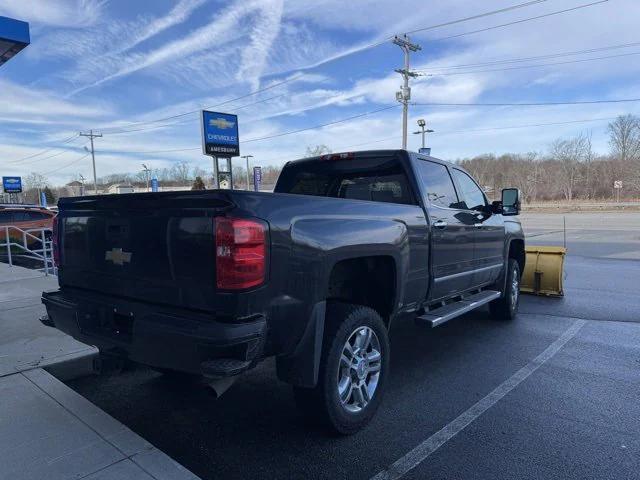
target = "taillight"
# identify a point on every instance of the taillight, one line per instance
(54, 242)
(240, 253)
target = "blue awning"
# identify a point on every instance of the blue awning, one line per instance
(14, 36)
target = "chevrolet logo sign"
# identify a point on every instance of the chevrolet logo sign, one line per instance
(117, 256)
(221, 123)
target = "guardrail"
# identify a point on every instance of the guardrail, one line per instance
(41, 248)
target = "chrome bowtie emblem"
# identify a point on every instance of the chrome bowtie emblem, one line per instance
(117, 256)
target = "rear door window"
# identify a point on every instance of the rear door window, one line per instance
(437, 184)
(6, 217)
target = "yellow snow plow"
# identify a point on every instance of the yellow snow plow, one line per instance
(543, 270)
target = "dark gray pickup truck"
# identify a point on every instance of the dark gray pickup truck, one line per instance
(212, 282)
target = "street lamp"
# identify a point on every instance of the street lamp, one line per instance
(247, 157)
(146, 171)
(422, 131)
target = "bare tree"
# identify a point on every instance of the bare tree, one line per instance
(180, 172)
(569, 154)
(624, 137)
(317, 151)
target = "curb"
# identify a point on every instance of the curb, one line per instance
(73, 365)
(132, 448)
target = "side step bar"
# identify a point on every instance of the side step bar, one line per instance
(438, 316)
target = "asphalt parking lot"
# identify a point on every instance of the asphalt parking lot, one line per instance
(553, 394)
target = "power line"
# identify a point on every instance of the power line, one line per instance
(520, 67)
(281, 134)
(526, 59)
(291, 132)
(42, 152)
(45, 158)
(530, 125)
(67, 165)
(179, 122)
(558, 12)
(191, 112)
(475, 17)
(527, 104)
(295, 77)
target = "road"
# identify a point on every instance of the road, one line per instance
(553, 394)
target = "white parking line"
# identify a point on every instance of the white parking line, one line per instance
(435, 441)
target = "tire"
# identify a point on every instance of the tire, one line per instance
(506, 307)
(358, 326)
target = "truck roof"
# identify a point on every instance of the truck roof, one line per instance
(377, 153)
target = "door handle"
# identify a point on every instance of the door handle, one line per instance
(440, 224)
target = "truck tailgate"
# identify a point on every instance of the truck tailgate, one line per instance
(155, 247)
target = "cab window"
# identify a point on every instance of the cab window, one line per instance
(472, 196)
(437, 184)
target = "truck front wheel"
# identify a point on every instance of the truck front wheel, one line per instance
(353, 369)
(506, 307)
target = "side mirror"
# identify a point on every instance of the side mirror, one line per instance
(510, 201)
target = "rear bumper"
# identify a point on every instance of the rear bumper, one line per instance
(157, 336)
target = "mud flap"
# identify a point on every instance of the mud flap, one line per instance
(301, 367)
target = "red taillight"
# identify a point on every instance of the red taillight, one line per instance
(54, 242)
(240, 253)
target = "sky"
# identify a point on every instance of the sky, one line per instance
(139, 72)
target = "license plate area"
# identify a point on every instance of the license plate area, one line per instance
(107, 322)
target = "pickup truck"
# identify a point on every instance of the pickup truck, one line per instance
(212, 282)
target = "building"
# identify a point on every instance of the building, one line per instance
(14, 36)
(120, 188)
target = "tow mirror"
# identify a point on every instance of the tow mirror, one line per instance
(510, 201)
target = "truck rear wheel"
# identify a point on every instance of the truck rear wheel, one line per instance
(353, 369)
(506, 307)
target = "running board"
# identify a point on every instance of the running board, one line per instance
(438, 316)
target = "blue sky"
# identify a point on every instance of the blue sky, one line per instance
(115, 65)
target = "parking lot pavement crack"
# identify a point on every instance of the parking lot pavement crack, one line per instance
(420, 453)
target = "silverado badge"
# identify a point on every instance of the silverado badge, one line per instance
(117, 256)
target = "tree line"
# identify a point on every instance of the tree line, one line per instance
(569, 170)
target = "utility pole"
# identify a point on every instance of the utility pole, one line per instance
(247, 157)
(146, 174)
(404, 95)
(92, 135)
(422, 131)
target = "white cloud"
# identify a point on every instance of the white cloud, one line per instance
(26, 105)
(56, 13)
(262, 35)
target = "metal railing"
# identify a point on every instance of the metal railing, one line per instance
(32, 243)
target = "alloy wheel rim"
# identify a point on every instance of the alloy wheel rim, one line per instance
(515, 288)
(359, 369)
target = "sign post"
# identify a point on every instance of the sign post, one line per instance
(257, 178)
(220, 139)
(617, 185)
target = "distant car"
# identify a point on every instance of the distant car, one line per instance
(24, 218)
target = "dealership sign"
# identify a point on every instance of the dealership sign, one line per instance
(12, 184)
(220, 134)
